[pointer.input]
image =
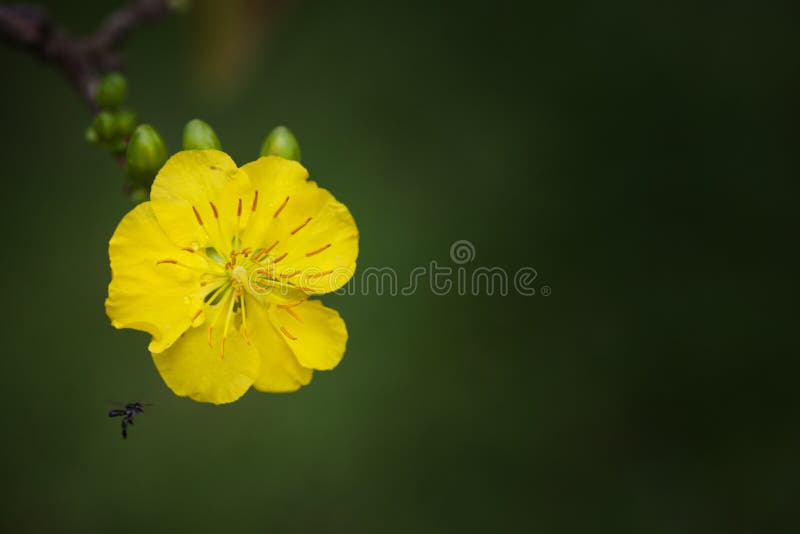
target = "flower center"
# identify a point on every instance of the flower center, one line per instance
(239, 276)
(246, 270)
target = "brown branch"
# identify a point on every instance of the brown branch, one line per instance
(81, 60)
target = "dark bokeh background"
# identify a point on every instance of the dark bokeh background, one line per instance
(641, 156)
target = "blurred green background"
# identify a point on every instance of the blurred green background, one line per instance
(641, 156)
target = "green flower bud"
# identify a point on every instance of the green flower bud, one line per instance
(179, 6)
(103, 126)
(198, 135)
(124, 123)
(91, 136)
(146, 154)
(139, 194)
(118, 148)
(112, 91)
(281, 142)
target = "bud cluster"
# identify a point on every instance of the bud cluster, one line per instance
(114, 124)
(142, 148)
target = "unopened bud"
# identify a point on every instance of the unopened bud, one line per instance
(103, 126)
(91, 136)
(198, 135)
(112, 91)
(124, 123)
(146, 154)
(281, 142)
(139, 194)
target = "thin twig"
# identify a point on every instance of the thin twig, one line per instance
(82, 60)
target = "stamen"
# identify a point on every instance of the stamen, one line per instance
(279, 258)
(275, 216)
(287, 334)
(264, 283)
(292, 305)
(266, 267)
(216, 318)
(202, 225)
(275, 244)
(244, 319)
(236, 241)
(173, 261)
(300, 227)
(289, 274)
(317, 275)
(216, 217)
(197, 214)
(220, 233)
(318, 250)
(293, 314)
(213, 297)
(252, 210)
(227, 324)
(196, 315)
(284, 284)
(187, 249)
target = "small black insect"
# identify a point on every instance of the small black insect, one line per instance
(131, 409)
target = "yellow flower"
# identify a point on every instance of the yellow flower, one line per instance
(218, 267)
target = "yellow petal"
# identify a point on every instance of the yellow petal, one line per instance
(313, 237)
(275, 178)
(192, 368)
(280, 370)
(160, 299)
(196, 197)
(317, 335)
